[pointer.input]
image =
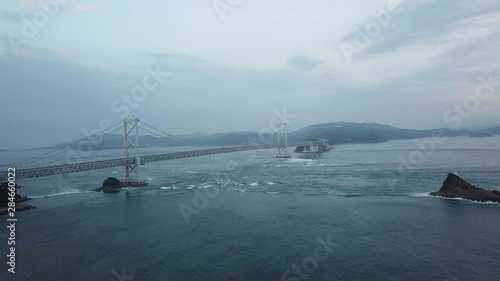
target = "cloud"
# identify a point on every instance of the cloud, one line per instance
(429, 58)
(84, 9)
(181, 60)
(424, 22)
(59, 91)
(303, 62)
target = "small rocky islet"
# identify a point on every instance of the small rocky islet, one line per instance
(455, 187)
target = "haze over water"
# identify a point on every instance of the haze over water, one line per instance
(267, 216)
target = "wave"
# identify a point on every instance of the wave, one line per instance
(316, 194)
(351, 195)
(295, 160)
(58, 194)
(421, 194)
(169, 187)
(469, 201)
(131, 188)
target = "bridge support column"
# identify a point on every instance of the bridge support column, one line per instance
(282, 139)
(131, 145)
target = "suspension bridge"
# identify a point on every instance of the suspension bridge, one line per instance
(133, 159)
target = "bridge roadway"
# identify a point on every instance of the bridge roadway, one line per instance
(104, 164)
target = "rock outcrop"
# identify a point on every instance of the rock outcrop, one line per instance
(4, 195)
(110, 185)
(456, 187)
(4, 199)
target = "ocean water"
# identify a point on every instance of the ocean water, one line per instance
(348, 214)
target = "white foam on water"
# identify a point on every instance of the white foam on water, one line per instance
(131, 188)
(191, 186)
(168, 187)
(58, 194)
(484, 203)
(254, 183)
(271, 192)
(149, 179)
(270, 183)
(298, 160)
(427, 194)
(421, 194)
(240, 190)
(468, 201)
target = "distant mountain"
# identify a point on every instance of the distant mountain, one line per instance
(233, 138)
(335, 132)
(349, 132)
(114, 141)
(487, 132)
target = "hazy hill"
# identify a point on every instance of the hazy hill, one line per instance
(335, 132)
(350, 132)
(232, 138)
(486, 132)
(116, 141)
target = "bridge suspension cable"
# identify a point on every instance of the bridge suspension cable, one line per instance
(170, 137)
(290, 128)
(67, 147)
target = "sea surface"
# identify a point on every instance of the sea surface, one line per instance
(353, 213)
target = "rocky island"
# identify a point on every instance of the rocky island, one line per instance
(4, 199)
(110, 185)
(456, 187)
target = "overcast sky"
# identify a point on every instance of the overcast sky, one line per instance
(67, 66)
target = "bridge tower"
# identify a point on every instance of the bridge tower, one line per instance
(282, 141)
(131, 146)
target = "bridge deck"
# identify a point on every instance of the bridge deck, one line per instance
(104, 164)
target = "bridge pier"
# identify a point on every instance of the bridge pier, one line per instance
(131, 145)
(282, 139)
